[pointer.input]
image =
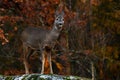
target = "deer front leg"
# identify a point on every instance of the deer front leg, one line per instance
(43, 62)
(50, 62)
(25, 50)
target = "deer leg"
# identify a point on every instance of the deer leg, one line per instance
(30, 52)
(25, 50)
(43, 62)
(50, 62)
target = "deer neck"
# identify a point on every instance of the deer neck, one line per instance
(55, 31)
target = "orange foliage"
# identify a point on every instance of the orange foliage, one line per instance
(13, 72)
(59, 66)
(2, 37)
(95, 2)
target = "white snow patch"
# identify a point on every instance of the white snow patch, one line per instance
(21, 77)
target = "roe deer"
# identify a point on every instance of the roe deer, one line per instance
(38, 39)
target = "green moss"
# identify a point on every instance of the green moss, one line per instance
(9, 78)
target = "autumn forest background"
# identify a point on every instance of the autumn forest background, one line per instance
(90, 38)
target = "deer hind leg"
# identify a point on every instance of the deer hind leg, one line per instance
(50, 62)
(26, 64)
(43, 62)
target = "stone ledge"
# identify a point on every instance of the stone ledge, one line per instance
(42, 77)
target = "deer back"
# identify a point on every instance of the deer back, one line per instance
(33, 37)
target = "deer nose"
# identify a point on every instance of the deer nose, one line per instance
(60, 24)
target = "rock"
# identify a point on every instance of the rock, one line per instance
(42, 77)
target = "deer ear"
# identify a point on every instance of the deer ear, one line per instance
(56, 13)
